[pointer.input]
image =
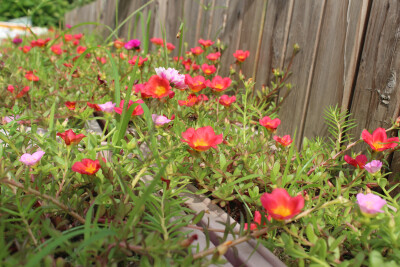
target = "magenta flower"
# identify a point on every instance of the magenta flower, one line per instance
(370, 204)
(173, 76)
(107, 107)
(132, 44)
(17, 40)
(373, 167)
(160, 119)
(68, 26)
(33, 159)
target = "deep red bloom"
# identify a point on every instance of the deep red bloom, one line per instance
(86, 166)
(80, 49)
(206, 43)
(68, 65)
(270, 124)
(23, 92)
(284, 141)
(71, 138)
(358, 162)
(280, 205)
(118, 44)
(93, 106)
(241, 55)
(10, 88)
(214, 56)
(201, 139)
(219, 84)
(378, 141)
(70, 105)
(196, 84)
(187, 64)
(157, 41)
(208, 69)
(140, 63)
(57, 49)
(226, 100)
(136, 112)
(157, 87)
(257, 221)
(170, 46)
(195, 66)
(31, 77)
(75, 42)
(197, 50)
(78, 36)
(39, 42)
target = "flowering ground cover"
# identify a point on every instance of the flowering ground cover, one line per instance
(71, 196)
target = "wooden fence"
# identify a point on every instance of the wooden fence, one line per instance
(349, 49)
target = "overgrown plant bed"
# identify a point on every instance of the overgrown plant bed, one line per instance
(64, 203)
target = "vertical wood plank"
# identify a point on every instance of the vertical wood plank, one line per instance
(304, 31)
(249, 38)
(338, 41)
(191, 11)
(218, 23)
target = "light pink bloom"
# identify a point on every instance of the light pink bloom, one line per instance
(374, 166)
(107, 107)
(9, 119)
(31, 160)
(160, 119)
(173, 76)
(370, 204)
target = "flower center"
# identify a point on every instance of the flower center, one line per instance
(219, 86)
(378, 145)
(160, 90)
(90, 169)
(200, 142)
(282, 211)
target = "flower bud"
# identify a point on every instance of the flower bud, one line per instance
(296, 48)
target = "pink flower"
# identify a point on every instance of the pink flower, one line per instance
(160, 119)
(370, 204)
(107, 107)
(257, 221)
(173, 76)
(33, 159)
(132, 44)
(373, 167)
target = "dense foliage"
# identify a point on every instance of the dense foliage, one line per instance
(42, 12)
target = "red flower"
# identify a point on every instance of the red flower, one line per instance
(197, 50)
(23, 92)
(257, 220)
(187, 64)
(270, 124)
(57, 49)
(93, 106)
(103, 60)
(70, 105)
(71, 138)
(157, 41)
(10, 88)
(78, 36)
(157, 87)
(213, 56)
(284, 141)
(39, 42)
(25, 48)
(141, 61)
(137, 111)
(80, 49)
(86, 166)
(358, 162)
(241, 55)
(226, 100)
(206, 43)
(201, 139)
(68, 37)
(68, 65)
(75, 42)
(192, 100)
(170, 46)
(208, 69)
(378, 141)
(219, 84)
(118, 44)
(196, 84)
(280, 205)
(31, 77)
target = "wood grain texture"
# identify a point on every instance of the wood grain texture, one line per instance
(338, 45)
(380, 62)
(304, 31)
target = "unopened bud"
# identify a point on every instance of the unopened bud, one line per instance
(222, 249)
(187, 242)
(397, 123)
(296, 48)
